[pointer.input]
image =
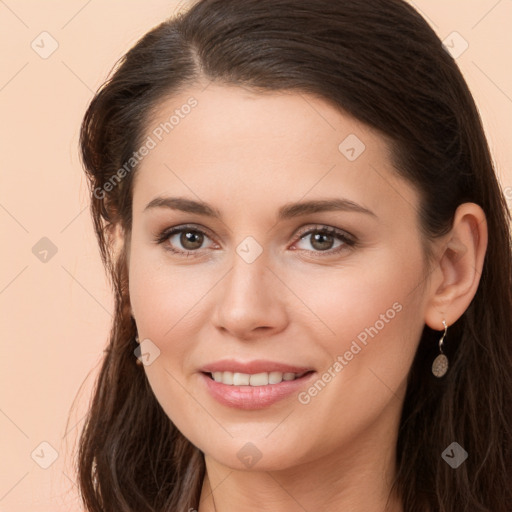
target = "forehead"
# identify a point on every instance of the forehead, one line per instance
(251, 147)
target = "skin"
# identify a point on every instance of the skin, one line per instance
(247, 154)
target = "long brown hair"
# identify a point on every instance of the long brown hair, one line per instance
(379, 61)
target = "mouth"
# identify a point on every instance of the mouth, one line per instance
(255, 379)
(254, 385)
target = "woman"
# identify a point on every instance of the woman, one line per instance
(311, 259)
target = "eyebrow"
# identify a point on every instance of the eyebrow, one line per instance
(287, 211)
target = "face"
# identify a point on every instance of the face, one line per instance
(275, 249)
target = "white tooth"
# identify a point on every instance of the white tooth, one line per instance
(259, 379)
(275, 377)
(227, 378)
(241, 379)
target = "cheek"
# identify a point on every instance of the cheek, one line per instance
(374, 319)
(376, 315)
(354, 302)
(165, 301)
(165, 297)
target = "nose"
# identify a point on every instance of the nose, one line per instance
(250, 302)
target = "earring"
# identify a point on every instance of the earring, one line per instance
(440, 364)
(138, 361)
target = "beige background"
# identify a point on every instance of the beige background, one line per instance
(56, 314)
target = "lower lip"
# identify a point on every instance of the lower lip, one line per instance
(254, 397)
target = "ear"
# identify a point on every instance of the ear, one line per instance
(458, 267)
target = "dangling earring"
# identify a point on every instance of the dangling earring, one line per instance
(440, 364)
(138, 361)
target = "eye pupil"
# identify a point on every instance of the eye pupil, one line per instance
(191, 240)
(324, 240)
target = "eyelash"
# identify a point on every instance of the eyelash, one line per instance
(348, 240)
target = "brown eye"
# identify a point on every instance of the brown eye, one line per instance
(191, 240)
(184, 240)
(325, 240)
(322, 241)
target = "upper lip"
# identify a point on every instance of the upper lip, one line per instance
(253, 367)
